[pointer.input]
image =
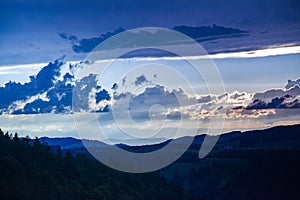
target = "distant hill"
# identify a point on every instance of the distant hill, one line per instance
(280, 137)
(67, 143)
(259, 164)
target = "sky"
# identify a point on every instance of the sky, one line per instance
(53, 80)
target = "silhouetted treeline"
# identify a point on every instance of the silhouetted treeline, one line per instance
(260, 164)
(31, 170)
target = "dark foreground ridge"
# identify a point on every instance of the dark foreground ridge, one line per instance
(261, 164)
(31, 170)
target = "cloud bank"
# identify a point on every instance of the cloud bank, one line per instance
(199, 34)
(51, 91)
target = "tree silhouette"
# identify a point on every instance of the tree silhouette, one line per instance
(32, 170)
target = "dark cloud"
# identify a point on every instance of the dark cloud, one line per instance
(35, 107)
(291, 84)
(270, 94)
(76, 66)
(61, 94)
(257, 104)
(72, 38)
(33, 18)
(237, 95)
(200, 34)
(124, 81)
(140, 105)
(82, 91)
(140, 80)
(59, 99)
(49, 92)
(159, 95)
(177, 115)
(154, 100)
(284, 102)
(237, 108)
(204, 99)
(276, 98)
(117, 96)
(38, 84)
(102, 95)
(223, 96)
(210, 32)
(87, 45)
(115, 86)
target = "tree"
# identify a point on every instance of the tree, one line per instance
(16, 138)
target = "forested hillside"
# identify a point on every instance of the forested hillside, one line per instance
(259, 164)
(31, 170)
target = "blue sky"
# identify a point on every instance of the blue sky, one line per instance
(255, 46)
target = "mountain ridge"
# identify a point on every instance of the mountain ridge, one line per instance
(247, 138)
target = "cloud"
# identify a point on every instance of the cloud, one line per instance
(117, 96)
(277, 98)
(154, 105)
(123, 81)
(179, 105)
(89, 97)
(242, 113)
(210, 32)
(204, 99)
(140, 80)
(279, 22)
(270, 94)
(239, 105)
(237, 95)
(284, 102)
(56, 84)
(34, 46)
(115, 86)
(72, 38)
(210, 37)
(102, 95)
(43, 81)
(51, 92)
(36, 107)
(268, 103)
(87, 45)
(58, 99)
(160, 95)
(200, 34)
(154, 100)
(292, 84)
